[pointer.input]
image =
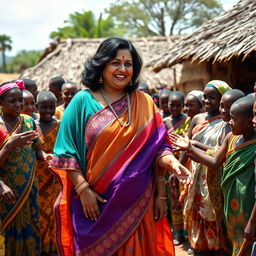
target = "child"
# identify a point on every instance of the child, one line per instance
(31, 86)
(193, 103)
(48, 186)
(177, 122)
(29, 104)
(163, 102)
(238, 180)
(55, 85)
(68, 91)
(18, 187)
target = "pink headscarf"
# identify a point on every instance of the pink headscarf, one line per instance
(17, 84)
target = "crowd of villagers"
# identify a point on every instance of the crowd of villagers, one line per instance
(112, 169)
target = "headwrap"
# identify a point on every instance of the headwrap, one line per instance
(219, 85)
(17, 84)
(198, 94)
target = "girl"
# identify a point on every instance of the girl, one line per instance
(177, 122)
(29, 105)
(20, 147)
(48, 186)
(193, 103)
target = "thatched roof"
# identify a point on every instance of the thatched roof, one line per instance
(232, 34)
(68, 56)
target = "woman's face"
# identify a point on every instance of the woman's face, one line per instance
(211, 100)
(117, 73)
(192, 106)
(12, 102)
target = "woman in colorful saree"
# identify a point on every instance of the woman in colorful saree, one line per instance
(20, 147)
(109, 154)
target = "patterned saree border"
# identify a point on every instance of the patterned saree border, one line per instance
(118, 234)
(65, 163)
(19, 203)
(100, 120)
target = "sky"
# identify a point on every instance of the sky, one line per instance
(29, 22)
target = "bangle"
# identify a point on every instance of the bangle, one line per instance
(80, 184)
(86, 186)
(161, 197)
(81, 187)
(160, 179)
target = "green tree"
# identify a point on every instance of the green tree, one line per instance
(23, 60)
(162, 17)
(5, 44)
(84, 25)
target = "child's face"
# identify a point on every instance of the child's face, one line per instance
(68, 93)
(175, 106)
(211, 100)
(12, 102)
(163, 103)
(55, 90)
(238, 121)
(254, 116)
(192, 106)
(225, 105)
(28, 105)
(46, 109)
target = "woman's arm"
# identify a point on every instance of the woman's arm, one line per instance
(87, 196)
(170, 163)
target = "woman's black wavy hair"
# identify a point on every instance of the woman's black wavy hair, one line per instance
(106, 52)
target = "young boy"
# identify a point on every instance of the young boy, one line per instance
(68, 91)
(55, 85)
(31, 86)
(48, 186)
(238, 179)
(163, 102)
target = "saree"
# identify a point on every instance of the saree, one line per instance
(118, 163)
(203, 204)
(238, 185)
(49, 189)
(176, 208)
(19, 221)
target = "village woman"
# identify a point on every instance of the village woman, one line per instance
(108, 152)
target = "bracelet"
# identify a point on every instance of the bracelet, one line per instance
(161, 197)
(160, 179)
(80, 184)
(81, 187)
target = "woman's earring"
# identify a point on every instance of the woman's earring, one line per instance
(130, 83)
(101, 80)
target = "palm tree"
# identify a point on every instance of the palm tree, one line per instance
(5, 44)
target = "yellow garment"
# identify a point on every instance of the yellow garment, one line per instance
(59, 112)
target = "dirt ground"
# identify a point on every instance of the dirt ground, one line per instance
(181, 250)
(7, 77)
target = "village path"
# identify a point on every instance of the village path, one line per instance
(181, 250)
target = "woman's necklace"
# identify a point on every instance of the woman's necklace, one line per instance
(113, 110)
(8, 125)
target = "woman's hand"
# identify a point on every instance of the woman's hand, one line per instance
(182, 143)
(20, 139)
(6, 193)
(89, 202)
(160, 209)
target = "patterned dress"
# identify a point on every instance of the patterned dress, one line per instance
(49, 189)
(19, 223)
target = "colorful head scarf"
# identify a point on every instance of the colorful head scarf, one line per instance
(198, 94)
(17, 84)
(219, 85)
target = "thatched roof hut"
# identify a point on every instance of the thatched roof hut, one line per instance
(225, 47)
(67, 59)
